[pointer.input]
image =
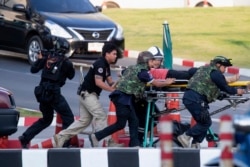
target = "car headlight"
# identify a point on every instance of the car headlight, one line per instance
(56, 30)
(119, 34)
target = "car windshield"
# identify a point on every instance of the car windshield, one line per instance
(63, 6)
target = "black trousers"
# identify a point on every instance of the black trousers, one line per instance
(124, 113)
(202, 118)
(59, 105)
(181, 74)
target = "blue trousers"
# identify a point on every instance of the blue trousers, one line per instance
(198, 110)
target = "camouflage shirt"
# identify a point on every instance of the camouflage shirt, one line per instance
(130, 83)
(201, 83)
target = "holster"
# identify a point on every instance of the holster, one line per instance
(47, 92)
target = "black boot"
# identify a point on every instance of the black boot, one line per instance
(24, 143)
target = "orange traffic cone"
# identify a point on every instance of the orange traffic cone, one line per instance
(156, 133)
(49, 143)
(3, 142)
(175, 116)
(58, 124)
(193, 122)
(173, 103)
(73, 140)
(112, 119)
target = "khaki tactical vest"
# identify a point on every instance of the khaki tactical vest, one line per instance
(130, 83)
(201, 82)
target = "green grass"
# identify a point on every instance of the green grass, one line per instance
(197, 33)
(28, 113)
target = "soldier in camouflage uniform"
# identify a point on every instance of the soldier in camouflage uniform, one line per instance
(129, 87)
(203, 88)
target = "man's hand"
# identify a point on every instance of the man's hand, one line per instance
(241, 91)
(169, 81)
(39, 55)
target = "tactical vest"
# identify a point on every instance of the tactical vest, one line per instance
(201, 82)
(52, 69)
(130, 83)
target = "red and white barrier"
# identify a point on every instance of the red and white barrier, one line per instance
(226, 141)
(166, 141)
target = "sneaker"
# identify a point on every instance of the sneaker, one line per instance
(112, 143)
(23, 142)
(59, 140)
(93, 140)
(196, 145)
(184, 140)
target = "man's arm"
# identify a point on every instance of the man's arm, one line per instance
(39, 64)
(102, 85)
(219, 79)
(163, 83)
(146, 77)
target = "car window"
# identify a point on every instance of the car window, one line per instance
(63, 6)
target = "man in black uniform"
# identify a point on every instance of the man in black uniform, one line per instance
(56, 68)
(97, 79)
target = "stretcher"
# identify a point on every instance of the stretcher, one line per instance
(153, 94)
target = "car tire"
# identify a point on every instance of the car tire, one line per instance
(34, 46)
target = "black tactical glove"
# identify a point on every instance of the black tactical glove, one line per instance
(222, 96)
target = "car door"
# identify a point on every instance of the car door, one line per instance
(13, 28)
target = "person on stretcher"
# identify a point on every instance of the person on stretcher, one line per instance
(159, 72)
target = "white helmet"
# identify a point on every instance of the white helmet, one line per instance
(157, 52)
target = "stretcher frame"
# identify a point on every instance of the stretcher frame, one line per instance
(152, 95)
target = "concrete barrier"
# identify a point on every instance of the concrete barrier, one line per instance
(103, 157)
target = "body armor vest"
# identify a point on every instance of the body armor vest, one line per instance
(201, 82)
(52, 69)
(130, 83)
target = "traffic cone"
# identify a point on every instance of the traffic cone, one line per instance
(73, 140)
(156, 131)
(49, 143)
(3, 142)
(173, 103)
(58, 127)
(193, 122)
(111, 120)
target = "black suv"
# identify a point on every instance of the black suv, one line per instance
(25, 25)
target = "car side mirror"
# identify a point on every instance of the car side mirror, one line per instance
(19, 8)
(98, 8)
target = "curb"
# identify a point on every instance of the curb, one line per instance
(191, 63)
(28, 121)
(107, 157)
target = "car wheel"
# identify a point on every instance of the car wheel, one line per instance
(33, 47)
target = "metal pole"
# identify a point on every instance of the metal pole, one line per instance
(167, 47)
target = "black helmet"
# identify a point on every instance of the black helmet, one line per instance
(222, 60)
(144, 57)
(61, 46)
(48, 43)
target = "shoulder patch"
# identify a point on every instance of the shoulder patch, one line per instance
(100, 70)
